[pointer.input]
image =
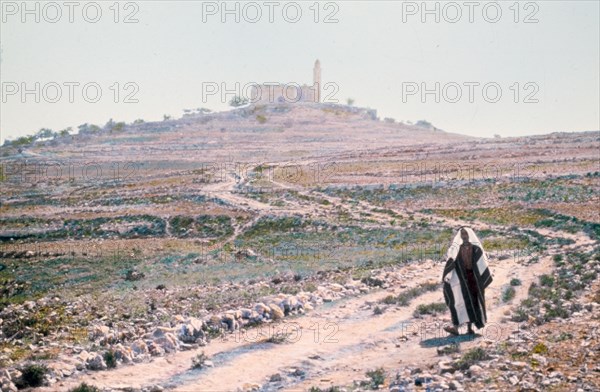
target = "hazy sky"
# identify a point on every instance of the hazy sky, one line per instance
(380, 53)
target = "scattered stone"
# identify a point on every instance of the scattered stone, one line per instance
(251, 387)
(275, 378)
(133, 275)
(475, 370)
(139, 347)
(446, 367)
(96, 362)
(276, 312)
(230, 321)
(519, 364)
(541, 360)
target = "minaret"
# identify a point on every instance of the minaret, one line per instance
(317, 81)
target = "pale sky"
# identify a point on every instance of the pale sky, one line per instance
(375, 52)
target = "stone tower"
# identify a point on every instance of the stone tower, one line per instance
(317, 81)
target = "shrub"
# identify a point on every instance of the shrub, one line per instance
(110, 359)
(529, 302)
(547, 280)
(557, 258)
(23, 141)
(449, 349)
(556, 311)
(532, 288)
(373, 282)
(278, 338)
(429, 286)
(588, 276)
(432, 308)
(515, 282)
(520, 315)
(377, 377)
(404, 298)
(238, 101)
(508, 294)
(83, 387)
(377, 310)
(540, 348)
(470, 358)
(564, 336)
(32, 376)
(330, 389)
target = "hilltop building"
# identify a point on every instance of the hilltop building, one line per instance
(291, 92)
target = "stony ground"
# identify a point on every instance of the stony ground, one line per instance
(295, 248)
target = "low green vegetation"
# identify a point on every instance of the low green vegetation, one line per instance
(568, 280)
(83, 387)
(470, 358)
(377, 377)
(566, 189)
(128, 226)
(508, 294)
(202, 226)
(431, 309)
(330, 389)
(449, 349)
(32, 375)
(406, 296)
(278, 338)
(522, 217)
(110, 359)
(497, 216)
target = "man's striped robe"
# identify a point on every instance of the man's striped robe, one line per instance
(456, 289)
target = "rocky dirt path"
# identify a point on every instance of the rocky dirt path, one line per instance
(334, 344)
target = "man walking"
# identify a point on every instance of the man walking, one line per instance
(465, 277)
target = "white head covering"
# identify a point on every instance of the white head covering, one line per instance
(457, 242)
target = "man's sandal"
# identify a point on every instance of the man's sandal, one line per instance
(451, 330)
